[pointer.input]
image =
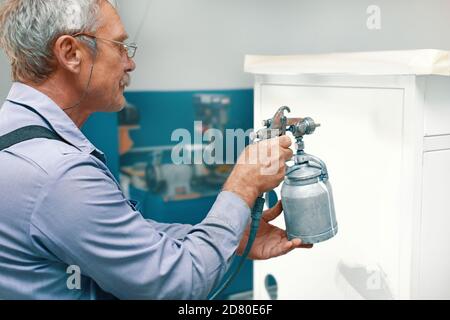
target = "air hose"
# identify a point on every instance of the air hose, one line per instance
(256, 214)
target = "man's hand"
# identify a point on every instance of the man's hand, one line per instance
(260, 168)
(270, 241)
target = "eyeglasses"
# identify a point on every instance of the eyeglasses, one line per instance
(130, 48)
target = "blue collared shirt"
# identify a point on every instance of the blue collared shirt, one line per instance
(60, 206)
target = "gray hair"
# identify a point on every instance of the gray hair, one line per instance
(29, 29)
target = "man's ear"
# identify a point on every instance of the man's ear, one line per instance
(68, 53)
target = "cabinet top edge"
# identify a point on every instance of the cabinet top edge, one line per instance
(403, 62)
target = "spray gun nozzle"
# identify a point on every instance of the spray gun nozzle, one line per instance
(279, 124)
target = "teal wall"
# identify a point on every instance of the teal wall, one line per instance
(164, 111)
(102, 130)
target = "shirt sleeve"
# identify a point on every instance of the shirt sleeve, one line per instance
(174, 230)
(84, 219)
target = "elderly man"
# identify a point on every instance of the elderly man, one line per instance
(60, 207)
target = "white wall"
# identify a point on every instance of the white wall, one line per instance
(188, 44)
(5, 82)
(200, 44)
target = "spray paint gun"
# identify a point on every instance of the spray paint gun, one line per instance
(306, 192)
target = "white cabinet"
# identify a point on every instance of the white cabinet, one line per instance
(386, 141)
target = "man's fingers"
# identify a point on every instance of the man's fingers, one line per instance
(298, 244)
(287, 247)
(285, 141)
(273, 212)
(287, 154)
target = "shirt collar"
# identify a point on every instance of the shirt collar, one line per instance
(48, 109)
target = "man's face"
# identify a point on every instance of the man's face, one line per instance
(112, 65)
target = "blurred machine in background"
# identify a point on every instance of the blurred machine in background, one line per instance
(190, 180)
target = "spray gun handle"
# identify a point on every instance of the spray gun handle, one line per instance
(322, 165)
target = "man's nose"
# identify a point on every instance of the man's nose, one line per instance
(131, 65)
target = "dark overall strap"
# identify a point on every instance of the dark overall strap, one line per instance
(25, 134)
(34, 132)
